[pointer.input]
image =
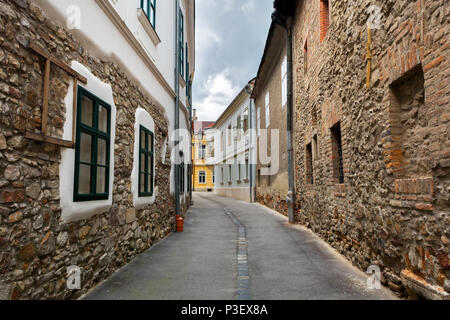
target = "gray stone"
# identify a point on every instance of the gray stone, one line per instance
(12, 173)
(447, 285)
(16, 142)
(5, 289)
(38, 223)
(34, 190)
(62, 238)
(3, 144)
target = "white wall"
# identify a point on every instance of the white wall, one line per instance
(101, 37)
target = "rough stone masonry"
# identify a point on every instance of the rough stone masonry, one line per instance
(35, 247)
(380, 191)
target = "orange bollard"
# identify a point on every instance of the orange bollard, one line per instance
(180, 223)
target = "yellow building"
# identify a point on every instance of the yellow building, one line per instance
(203, 177)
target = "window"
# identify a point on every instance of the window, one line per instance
(202, 177)
(258, 121)
(284, 90)
(309, 165)
(267, 110)
(181, 44)
(239, 165)
(182, 172)
(201, 151)
(305, 57)
(245, 120)
(146, 162)
(336, 145)
(229, 173)
(315, 148)
(239, 127)
(187, 69)
(92, 154)
(246, 169)
(222, 143)
(222, 174)
(189, 174)
(149, 7)
(324, 18)
(230, 136)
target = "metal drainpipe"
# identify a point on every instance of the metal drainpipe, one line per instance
(250, 151)
(284, 23)
(191, 183)
(177, 111)
(291, 193)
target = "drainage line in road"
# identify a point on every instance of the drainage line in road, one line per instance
(243, 275)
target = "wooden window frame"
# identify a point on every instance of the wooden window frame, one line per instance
(149, 152)
(96, 134)
(49, 61)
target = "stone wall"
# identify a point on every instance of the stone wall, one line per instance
(393, 208)
(35, 247)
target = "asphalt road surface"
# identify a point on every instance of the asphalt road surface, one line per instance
(233, 250)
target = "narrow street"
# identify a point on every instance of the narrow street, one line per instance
(236, 250)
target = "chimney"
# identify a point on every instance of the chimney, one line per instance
(194, 115)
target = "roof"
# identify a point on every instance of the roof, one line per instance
(285, 7)
(227, 111)
(200, 126)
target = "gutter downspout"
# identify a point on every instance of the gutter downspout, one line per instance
(285, 23)
(191, 176)
(177, 112)
(250, 150)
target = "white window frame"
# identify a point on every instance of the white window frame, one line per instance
(200, 175)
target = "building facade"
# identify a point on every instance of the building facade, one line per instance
(88, 107)
(203, 174)
(235, 152)
(371, 134)
(270, 96)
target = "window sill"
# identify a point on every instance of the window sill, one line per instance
(181, 80)
(143, 19)
(246, 180)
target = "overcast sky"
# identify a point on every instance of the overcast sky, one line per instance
(230, 36)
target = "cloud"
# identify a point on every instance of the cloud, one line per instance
(221, 94)
(230, 37)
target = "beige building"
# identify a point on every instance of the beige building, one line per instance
(270, 96)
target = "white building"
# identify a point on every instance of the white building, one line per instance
(235, 152)
(142, 37)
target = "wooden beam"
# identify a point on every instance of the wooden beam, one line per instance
(56, 141)
(33, 46)
(46, 96)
